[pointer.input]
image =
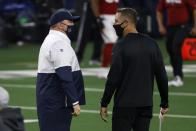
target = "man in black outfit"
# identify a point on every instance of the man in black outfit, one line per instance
(136, 61)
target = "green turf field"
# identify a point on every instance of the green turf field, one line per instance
(181, 117)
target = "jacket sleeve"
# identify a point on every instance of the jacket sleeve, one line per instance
(161, 78)
(113, 79)
(61, 56)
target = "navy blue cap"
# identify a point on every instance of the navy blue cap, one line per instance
(61, 15)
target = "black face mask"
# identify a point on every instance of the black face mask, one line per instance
(119, 30)
(68, 29)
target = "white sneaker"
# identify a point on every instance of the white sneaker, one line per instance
(177, 82)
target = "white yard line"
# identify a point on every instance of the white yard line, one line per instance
(30, 121)
(97, 112)
(189, 71)
(18, 86)
(95, 90)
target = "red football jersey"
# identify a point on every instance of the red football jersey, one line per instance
(177, 10)
(108, 6)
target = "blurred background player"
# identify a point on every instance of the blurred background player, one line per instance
(104, 11)
(11, 119)
(144, 9)
(89, 31)
(179, 25)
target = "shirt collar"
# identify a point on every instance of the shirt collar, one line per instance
(60, 34)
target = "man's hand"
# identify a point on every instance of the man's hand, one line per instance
(193, 31)
(163, 111)
(104, 113)
(76, 110)
(162, 30)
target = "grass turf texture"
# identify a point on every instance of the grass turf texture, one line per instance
(25, 57)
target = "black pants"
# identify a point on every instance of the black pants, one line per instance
(175, 38)
(90, 32)
(131, 119)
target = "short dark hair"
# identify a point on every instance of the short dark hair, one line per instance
(130, 13)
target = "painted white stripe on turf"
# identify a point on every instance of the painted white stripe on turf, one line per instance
(109, 112)
(178, 94)
(19, 86)
(28, 121)
(24, 107)
(96, 90)
(189, 71)
(31, 121)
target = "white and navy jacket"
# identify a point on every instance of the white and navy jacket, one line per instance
(59, 79)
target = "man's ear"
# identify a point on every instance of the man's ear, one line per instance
(60, 26)
(125, 24)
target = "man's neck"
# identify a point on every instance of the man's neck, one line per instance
(129, 30)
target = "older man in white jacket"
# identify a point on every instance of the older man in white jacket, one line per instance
(60, 88)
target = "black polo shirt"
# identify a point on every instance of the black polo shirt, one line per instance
(136, 61)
